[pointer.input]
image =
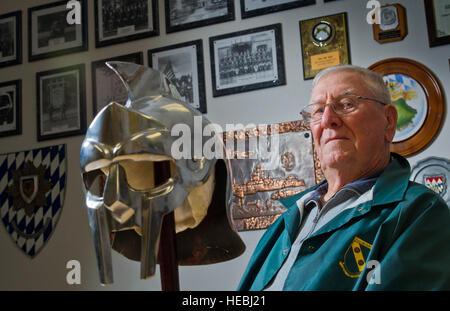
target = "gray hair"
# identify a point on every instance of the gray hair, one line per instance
(374, 80)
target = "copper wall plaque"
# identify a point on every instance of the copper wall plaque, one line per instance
(259, 181)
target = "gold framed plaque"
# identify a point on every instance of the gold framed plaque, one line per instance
(324, 42)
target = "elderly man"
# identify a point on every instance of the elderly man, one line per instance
(366, 227)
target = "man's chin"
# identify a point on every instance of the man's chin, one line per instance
(335, 159)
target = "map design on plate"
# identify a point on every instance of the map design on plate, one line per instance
(410, 101)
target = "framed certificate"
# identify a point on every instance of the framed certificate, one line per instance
(324, 43)
(438, 21)
(61, 102)
(106, 85)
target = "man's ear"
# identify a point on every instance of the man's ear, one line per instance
(391, 126)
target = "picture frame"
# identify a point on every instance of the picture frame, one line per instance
(183, 64)
(199, 14)
(106, 85)
(119, 21)
(11, 108)
(438, 21)
(247, 60)
(252, 8)
(11, 39)
(418, 96)
(324, 43)
(61, 102)
(50, 34)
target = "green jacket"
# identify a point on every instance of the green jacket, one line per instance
(400, 238)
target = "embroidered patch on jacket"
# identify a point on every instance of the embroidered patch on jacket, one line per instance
(354, 257)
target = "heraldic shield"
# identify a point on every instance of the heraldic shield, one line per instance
(32, 188)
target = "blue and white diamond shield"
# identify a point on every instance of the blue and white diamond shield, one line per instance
(32, 188)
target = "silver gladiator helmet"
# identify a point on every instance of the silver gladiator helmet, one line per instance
(125, 206)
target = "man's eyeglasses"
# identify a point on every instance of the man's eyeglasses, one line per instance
(341, 105)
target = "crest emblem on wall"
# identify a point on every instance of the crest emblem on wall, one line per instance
(32, 188)
(433, 172)
(436, 183)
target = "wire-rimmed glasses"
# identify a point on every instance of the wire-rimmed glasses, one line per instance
(341, 105)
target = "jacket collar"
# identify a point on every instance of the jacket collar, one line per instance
(390, 187)
(393, 182)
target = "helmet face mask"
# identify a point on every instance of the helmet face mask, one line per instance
(125, 206)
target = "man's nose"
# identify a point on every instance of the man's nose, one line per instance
(330, 118)
(116, 196)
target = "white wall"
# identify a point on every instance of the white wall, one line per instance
(72, 236)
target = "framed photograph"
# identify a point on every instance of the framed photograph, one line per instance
(183, 15)
(50, 34)
(11, 108)
(324, 42)
(251, 8)
(61, 102)
(418, 97)
(247, 60)
(438, 21)
(11, 39)
(106, 85)
(118, 21)
(183, 65)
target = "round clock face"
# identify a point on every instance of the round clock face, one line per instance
(322, 32)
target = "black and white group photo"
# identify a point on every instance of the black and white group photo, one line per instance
(246, 59)
(124, 16)
(124, 20)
